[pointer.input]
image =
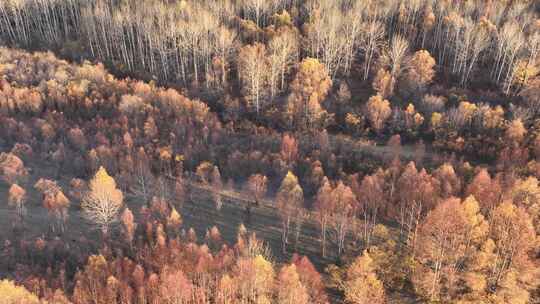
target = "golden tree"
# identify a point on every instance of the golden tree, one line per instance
(378, 111)
(255, 277)
(361, 284)
(103, 201)
(308, 89)
(421, 71)
(515, 132)
(12, 294)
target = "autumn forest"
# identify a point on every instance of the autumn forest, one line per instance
(269, 152)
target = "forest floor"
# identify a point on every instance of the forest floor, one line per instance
(198, 213)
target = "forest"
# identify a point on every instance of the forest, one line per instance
(269, 151)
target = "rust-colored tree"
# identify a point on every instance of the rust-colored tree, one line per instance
(55, 202)
(128, 225)
(289, 149)
(290, 289)
(16, 200)
(324, 209)
(344, 205)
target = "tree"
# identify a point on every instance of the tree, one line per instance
(16, 199)
(289, 149)
(91, 283)
(252, 69)
(447, 182)
(128, 225)
(11, 168)
(174, 221)
(290, 199)
(344, 203)
(486, 190)
(283, 49)
(311, 279)
(514, 236)
(54, 201)
(324, 209)
(175, 287)
(515, 132)
(378, 111)
(371, 197)
(13, 294)
(290, 289)
(525, 193)
(255, 277)
(257, 186)
(143, 176)
(421, 70)
(382, 83)
(308, 90)
(361, 285)
(395, 59)
(371, 42)
(204, 171)
(449, 234)
(217, 187)
(103, 201)
(416, 194)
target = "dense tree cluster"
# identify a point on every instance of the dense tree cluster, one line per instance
(251, 50)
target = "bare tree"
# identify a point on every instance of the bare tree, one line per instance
(283, 49)
(252, 65)
(371, 42)
(395, 59)
(257, 186)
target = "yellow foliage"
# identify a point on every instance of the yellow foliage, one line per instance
(283, 19)
(436, 119)
(352, 119)
(523, 72)
(262, 266)
(418, 119)
(516, 130)
(175, 219)
(102, 181)
(477, 224)
(103, 202)
(362, 285)
(410, 109)
(494, 118)
(467, 109)
(12, 294)
(378, 111)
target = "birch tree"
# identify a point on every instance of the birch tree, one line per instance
(102, 204)
(252, 70)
